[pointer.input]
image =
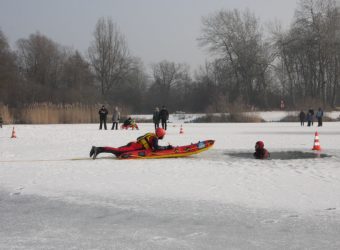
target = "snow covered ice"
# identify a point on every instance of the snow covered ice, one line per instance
(53, 196)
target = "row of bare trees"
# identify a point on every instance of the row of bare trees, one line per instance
(309, 54)
(299, 65)
(41, 70)
(251, 67)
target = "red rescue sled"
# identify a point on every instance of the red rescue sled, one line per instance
(179, 151)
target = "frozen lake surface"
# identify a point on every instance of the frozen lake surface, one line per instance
(52, 196)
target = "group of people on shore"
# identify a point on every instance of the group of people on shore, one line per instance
(159, 116)
(309, 117)
(103, 112)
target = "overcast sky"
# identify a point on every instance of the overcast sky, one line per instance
(154, 29)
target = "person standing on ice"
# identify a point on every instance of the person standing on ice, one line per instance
(260, 151)
(147, 141)
(319, 115)
(115, 118)
(302, 117)
(309, 119)
(155, 118)
(1, 121)
(164, 116)
(102, 117)
(311, 111)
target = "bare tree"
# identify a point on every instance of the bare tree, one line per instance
(8, 72)
(236, 39)
(169, 74)
(77, 80)
(131, 91)
(41, 61)
(77, 73)
(109, 54)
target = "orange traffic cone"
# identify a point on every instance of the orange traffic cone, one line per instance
(181, 130)
(13, 134)
(316, 146)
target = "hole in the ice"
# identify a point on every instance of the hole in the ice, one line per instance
(283, 155)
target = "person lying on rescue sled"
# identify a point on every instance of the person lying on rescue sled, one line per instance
(260, 151)
(147, 141)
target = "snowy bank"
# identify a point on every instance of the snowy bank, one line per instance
(268, 116)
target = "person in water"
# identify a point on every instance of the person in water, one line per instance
(147, 141)
(260, 151)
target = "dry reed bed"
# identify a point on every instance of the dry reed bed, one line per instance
(48, 113)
